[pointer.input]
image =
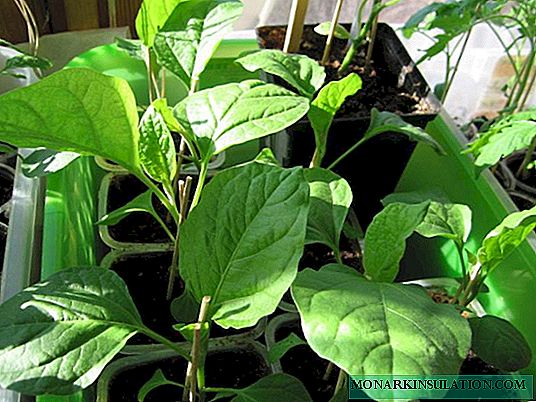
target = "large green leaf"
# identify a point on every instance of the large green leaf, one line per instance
(151, 18)
(218, 118)
(511, 134)
(385, 240)
(451, 221)
(192, 33)
(57, 336)
(275, 387)
(325, 106)
(76, 110)
(505, 238)
(378, 328)
(331, 197)
(302, 72)
(242, 242)
(499, 343)
(382, 122)
(157, 149)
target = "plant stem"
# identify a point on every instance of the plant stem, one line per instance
(190, 383)
(456, 66)
(528, 89)
(170, 206)
(184, 195)
(166, 342)
(527, 159)
(328, 371)
(344, 155)
(331, 34)
(340, 381)
(373, 32)
(200, 184)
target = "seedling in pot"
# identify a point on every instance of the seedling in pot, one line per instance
(363, 32)
(506, 135)
(307, 77)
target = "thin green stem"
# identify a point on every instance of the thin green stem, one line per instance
(170, 206)
(456, 67)
(340, 381)
(200, 183)
(372, 37)
(528, 89)
(527, 159)
(166, 342)
(344, 155)
(164, 226)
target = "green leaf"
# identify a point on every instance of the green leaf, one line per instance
(331, 197)
(325, 106)
(302, 72)
(499, 343)
(27, 61)
(451, 221)
(58, 335)
(505, 238)
(279, 349)
(132, 47)
(142, 203)
(340, 31)
(378, 328)
(275, 387)
(157, 380)
(221, 117)
(385, 240)
(42, 162)
(381, 122)
(151, 18)
(7, 149)
(157, 149)
(185, 308)
(242, 243)
(192, 33)
(75, 110)
(503, 139)
(267, 156)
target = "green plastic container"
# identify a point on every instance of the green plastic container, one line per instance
(71, 209)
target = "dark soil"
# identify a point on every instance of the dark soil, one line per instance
(380, 86)
(237, 369)
(137, 227)
(146, 276)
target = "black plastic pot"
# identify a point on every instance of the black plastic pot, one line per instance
(374, 169)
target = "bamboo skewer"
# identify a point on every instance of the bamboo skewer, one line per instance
(295, 26)
(331, 35)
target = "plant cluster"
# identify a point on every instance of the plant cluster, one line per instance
(236, 263)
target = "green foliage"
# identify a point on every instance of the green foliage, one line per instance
(157, 149)
(57, 336)
(142, 203)
(323, 109)
(75, 110)
(381, 122)
(504, 137)
(369, 327)
(187, 40)
(300, 71)
(152, 16)
(450, 221)
(499, 343)
(385, 239)
(231, 249)
(42, 162)
(331, 197)
(279, 349)
(218, 118)
(505, 238)
(157, 380)
(340, 31)
(275, 387)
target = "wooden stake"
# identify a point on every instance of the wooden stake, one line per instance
(331, 35)
(295, 26)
